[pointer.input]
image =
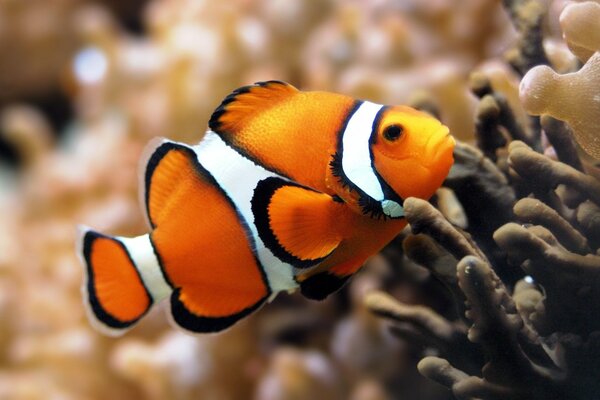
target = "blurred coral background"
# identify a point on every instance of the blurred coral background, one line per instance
(84, 85)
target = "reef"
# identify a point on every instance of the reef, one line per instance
(522, 266)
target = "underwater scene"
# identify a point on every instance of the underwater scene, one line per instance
(299, 199)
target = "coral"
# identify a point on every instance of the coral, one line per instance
(579, 23)
(527, 17)
(522, 268)
(531, 348)
(572, 98)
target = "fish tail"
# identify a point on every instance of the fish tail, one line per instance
(122, 279)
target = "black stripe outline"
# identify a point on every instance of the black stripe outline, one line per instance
(102, 315)
(388, 192)
(263, 192)
(153, 162)
(199, 324)
(160, 262)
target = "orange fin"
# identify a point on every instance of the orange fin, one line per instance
(114, 290)
(166, 179)
(248, 101)
(296, 223)
(202, 242)
(187, 306)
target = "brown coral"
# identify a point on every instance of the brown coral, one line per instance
(532, 334)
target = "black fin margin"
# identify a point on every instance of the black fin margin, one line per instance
(200, 324)
(102, 316)
(213, 122)
(321, 285)
(153, 162)
(260, 209)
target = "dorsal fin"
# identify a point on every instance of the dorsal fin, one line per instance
(246, 102)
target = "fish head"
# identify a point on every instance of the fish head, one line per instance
(411, 155)
(388, 153)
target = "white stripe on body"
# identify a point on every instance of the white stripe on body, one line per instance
(238, 177)
(356, 157)
(142, 253)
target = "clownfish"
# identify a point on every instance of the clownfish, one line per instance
(287, 189)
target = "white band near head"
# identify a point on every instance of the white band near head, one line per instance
(356, 155)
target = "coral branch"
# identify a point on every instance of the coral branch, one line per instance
(541, 171)
(424, 218)
(535, 212)
(527, 17)
(439, 370)
(482, 87)
(423, 318)
(486, 197)
(489, 138)
(588, 218)
(571, 284)
(561, 138)
(495, 320)
(450, 206)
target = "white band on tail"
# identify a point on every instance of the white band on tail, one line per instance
(142, 253)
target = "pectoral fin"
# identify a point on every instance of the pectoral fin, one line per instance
(296, 223)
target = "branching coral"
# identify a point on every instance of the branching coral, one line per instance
(534, 334)
(524, 356)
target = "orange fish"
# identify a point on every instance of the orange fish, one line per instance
(287, 189)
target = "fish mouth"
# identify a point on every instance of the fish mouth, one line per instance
(440, 149)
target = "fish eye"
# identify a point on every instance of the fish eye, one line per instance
(393, 132)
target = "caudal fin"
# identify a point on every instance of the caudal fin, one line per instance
(113, 289)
